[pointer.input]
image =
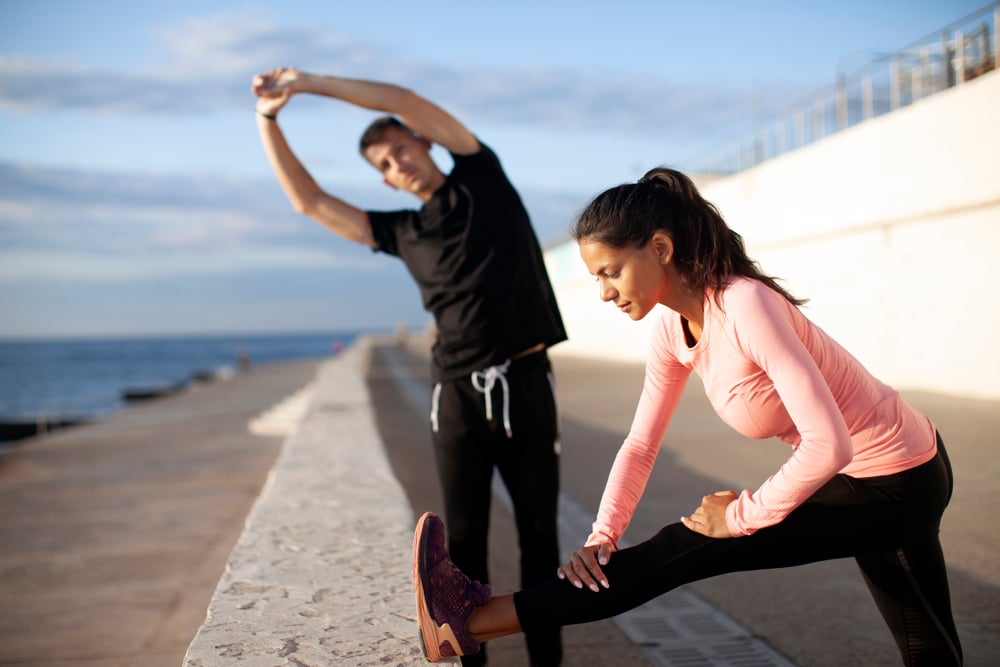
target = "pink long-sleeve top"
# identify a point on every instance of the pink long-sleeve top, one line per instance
(768, 371)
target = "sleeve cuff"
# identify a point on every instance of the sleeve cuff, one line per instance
(600, 537)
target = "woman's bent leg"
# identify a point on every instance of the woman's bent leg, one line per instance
(910, 588)
(910, 583)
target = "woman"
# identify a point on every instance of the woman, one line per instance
(868, 476)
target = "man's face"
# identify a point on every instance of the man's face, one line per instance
(405, 162)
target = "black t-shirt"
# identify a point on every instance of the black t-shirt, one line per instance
(477, 262)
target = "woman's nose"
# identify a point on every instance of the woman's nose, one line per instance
(607, 291)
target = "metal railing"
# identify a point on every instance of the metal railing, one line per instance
(957, 53)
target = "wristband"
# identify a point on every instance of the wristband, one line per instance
(269, 116)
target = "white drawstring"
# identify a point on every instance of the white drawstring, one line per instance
(557, 445)
(435, 403)
(484, 380)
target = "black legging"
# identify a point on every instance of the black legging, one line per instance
(889, 524)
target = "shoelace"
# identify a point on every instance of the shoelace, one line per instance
(484, 381)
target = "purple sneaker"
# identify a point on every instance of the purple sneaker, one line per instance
(445, 596)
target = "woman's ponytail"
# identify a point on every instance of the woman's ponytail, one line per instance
(707, 252)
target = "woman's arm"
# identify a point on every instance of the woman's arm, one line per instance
(661, 392)
(762, 323)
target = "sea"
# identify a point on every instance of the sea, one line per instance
(90, 378)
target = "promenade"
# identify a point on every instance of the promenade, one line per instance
(116, 537)
(113, 535)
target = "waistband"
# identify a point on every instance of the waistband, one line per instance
(538, 360)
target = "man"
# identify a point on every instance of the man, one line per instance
(475, 258)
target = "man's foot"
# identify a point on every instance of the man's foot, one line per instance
(445, 596)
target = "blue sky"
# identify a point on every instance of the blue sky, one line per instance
(135, 197)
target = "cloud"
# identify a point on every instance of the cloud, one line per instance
(207, 63)
(82, 266)
(66, 224)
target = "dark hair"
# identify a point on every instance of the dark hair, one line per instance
(707, 253)
(377, 129)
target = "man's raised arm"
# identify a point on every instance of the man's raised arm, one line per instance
(420, 115)
(302, 190)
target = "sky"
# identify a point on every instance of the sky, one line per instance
(135, 198)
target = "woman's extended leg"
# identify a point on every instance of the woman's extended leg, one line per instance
(497, 618)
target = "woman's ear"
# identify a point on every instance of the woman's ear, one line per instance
(663, 246)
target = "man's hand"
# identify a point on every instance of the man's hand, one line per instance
(584, 566)
(274, 88)
(279, 82)
(710, 518)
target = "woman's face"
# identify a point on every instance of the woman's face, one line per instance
(634, 279)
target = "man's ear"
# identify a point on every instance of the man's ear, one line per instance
(427, 143)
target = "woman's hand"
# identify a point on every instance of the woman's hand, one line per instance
(710, 518)
(584, 566)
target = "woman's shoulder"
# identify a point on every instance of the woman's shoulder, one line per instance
(741, 290)
(744, 301)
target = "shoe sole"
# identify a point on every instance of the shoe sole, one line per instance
(432, 635)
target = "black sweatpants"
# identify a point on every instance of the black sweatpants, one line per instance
(469, 443)
(888, 524)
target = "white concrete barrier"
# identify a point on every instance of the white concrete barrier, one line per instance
(321, 574)
(891, 228)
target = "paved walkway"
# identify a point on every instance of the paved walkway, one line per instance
(113, 535)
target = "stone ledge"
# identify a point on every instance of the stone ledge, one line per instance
(321, 574)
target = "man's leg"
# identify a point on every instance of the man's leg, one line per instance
(465, 469)
(529, 465)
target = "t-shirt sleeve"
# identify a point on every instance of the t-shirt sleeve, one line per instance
(481, 165)
(386, 226)
(662, 388)
(760, 321)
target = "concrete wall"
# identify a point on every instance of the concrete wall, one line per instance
(321, 574)
(891, 228)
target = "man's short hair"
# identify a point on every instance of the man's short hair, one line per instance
(376, 131)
